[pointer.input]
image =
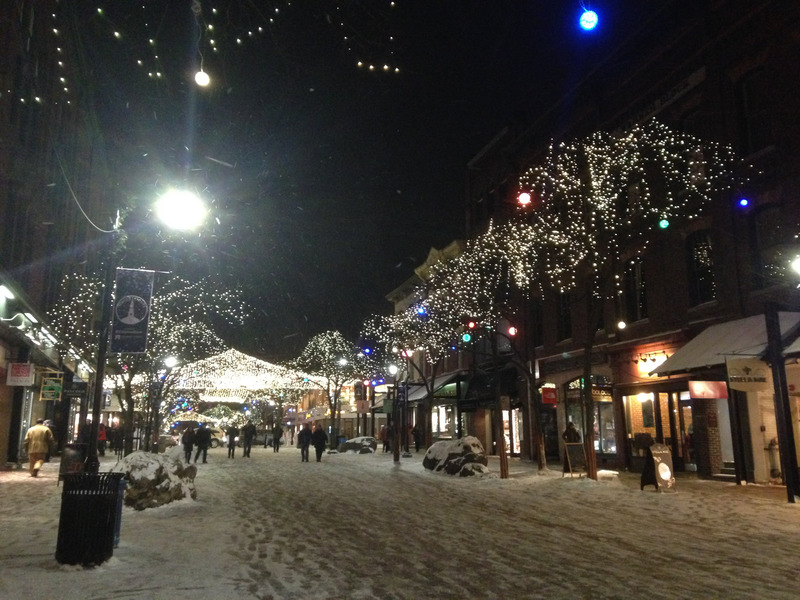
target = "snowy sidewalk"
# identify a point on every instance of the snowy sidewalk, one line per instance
(360, 527)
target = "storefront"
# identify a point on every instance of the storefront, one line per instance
(721, 418)
(605, 423)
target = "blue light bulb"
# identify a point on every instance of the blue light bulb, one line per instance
(589, 20)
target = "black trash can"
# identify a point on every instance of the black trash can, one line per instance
(88, 524)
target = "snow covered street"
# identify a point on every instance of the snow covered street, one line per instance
(359, 527)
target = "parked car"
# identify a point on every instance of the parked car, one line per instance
(218, 437)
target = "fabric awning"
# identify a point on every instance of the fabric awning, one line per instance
(438, 383)
(740, 338)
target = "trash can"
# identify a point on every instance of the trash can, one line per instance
(91, 508)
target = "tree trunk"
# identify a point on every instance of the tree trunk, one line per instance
(586, 391)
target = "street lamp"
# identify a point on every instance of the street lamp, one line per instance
(177, 210)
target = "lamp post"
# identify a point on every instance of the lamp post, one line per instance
(178, 210)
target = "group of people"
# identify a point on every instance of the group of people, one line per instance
(306, 438)
(199, 440)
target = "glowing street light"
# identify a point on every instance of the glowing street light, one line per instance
(201, 78)
(181, 209)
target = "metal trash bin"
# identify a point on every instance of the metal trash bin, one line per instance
(91, 508)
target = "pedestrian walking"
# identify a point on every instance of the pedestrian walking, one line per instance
(202, 439)
(416, 433)
(248, 433)
(101, 439)
(319, 439)
(388, 438)
(304, 441)
(233, 435)
(39, 441)
(187, 439)
(277, 434)
(118, 442)
(383, 436)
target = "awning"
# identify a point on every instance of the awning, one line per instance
(740, 338)
(438, 383)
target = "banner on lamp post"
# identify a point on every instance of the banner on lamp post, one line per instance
(134, 292)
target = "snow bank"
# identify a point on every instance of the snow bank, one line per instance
(156, 479)
(464, 456)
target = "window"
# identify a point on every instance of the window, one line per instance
(635, 296)
(603, 413)
(766, 235)
(700, 268)
(755, 112)
(564, 316)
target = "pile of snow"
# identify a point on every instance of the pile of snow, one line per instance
(156, 479)
(464, 456)
(359, 445)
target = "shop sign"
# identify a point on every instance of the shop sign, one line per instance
(708, 389)
(549, 395)
(748, 374)
(658, 469)
(20, 374)
(51, 389)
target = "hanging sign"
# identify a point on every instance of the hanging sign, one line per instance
(20, 374)
(708, 389)
(134, 291)
(748, 374)
(549, 395)
(51, 388)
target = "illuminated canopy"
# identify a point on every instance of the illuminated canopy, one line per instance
(236, 377)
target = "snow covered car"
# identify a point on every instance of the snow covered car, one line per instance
(359, 445)
(218, 437)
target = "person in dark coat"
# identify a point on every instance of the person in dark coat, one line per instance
(319, 439)
(277, 434)
(233, 434)
(304, 441)
(248, 433)
(416, 433)
(202, 439)
(571, 435)
(187, 439)
(118, 442)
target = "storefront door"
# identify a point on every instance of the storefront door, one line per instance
(661, 418)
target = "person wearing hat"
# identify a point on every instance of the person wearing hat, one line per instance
(38, 442)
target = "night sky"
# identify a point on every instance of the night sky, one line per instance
(329, 183)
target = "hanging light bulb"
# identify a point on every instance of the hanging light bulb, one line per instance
(201, 78)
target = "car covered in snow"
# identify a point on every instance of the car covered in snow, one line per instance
(359, 445)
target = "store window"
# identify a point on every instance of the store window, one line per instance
(602, 411)
(663, 418)
(443, 422)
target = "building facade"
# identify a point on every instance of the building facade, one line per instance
(50, 173)
(723, 71)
